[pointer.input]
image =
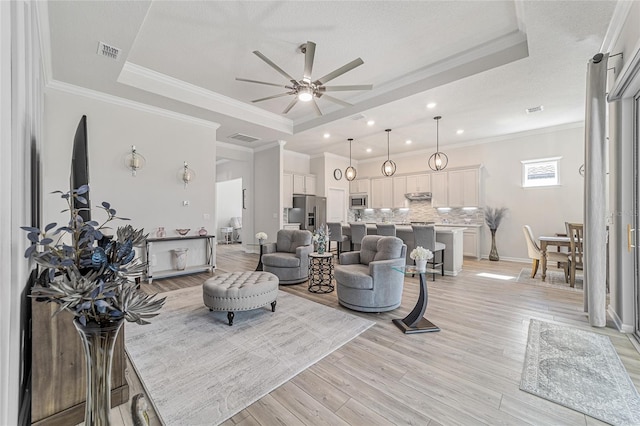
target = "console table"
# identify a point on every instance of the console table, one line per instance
(415, 322)
(151, 243)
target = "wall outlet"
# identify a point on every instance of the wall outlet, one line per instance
(185, 203)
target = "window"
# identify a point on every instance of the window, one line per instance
(542, 172)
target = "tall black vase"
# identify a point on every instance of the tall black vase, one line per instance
(493, 255)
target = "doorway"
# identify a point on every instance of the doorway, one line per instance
(229, 211)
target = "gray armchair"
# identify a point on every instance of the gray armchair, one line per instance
(365, 279)
(288, 257)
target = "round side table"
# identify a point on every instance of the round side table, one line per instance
(321, 272)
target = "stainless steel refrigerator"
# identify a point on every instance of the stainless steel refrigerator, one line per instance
(308, 210)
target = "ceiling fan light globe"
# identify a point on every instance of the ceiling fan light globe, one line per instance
(305, 94)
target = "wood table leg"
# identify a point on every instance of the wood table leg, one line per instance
(543, 248)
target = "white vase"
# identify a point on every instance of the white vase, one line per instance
(180, 255)
(421, 264)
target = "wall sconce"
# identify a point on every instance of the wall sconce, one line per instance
(186, 175)
(134, 161)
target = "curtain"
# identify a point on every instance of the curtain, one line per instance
(595, 233)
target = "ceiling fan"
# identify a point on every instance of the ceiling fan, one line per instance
(306, 89)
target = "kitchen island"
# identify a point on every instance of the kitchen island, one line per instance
(450, 236)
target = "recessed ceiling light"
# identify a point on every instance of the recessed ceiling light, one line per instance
(327, 135)
(460, 131)
(408, 141)
(431, 105)
(368, 149)
(370, 123)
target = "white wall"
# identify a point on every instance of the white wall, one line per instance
(267, 197)
(323, 166)
(296, 162)
(155, 196)
(544, 209)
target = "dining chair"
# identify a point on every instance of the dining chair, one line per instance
(535, 253)
(335, 234)
(575, 231)
(425, 236)
(358, 232)
(386, 229)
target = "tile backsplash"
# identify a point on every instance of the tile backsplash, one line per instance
(419, 211)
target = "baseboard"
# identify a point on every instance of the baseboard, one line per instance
(509, 259)
(623, 328)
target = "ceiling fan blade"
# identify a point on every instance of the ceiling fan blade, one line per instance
(291, 105)
(343, 69)
(336, 100)
(274, 66)
(346, 88)
(309, 53)
(259, 82)
(272, 97)
(316, 107)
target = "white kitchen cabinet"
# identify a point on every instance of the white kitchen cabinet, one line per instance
(419, 183)
(381, 193)
(360, 186)
(464, 188)
(304, 184)
(439, 193)
(287, 190)
(471, 242)
(399, 189)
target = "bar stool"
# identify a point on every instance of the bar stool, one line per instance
(335, 234)
(358, 232)
(387, 229)
(425, 236)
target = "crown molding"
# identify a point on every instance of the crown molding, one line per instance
(127, 103)
(173, 88)
(227, 145)
(298, 154)
(270, 145)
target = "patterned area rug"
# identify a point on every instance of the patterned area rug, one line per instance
(198, 370)
(580, 370)
(554, 279)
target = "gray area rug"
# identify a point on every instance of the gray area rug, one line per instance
(553, 279)
(199, 371)
(580, 370)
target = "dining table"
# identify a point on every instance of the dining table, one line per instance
(546, 241)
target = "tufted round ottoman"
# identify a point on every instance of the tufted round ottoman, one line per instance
(240, 291)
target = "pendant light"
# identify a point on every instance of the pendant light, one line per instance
(388, 167)
(438, 160)
(350, 172)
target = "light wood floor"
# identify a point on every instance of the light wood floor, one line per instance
(466, 374)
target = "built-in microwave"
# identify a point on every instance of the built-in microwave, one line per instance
(359, 201)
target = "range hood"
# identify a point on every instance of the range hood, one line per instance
(418, 196)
